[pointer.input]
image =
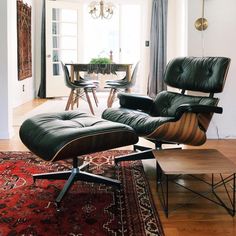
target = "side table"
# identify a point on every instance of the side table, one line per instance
(195, 162)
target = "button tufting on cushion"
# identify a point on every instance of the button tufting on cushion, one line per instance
(56, 136)
(196, 74)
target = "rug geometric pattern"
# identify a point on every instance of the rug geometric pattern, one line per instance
(88, 209)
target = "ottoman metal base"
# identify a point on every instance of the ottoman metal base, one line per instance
(73, 175)
(69, 135)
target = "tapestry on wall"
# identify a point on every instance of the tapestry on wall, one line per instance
(24, 40)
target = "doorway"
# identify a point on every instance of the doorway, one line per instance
(72, 35)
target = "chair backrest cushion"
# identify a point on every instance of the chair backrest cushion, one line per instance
(166, 103)
(204, 74)
(66, 76)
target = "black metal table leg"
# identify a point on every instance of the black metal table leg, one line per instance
(167, 196)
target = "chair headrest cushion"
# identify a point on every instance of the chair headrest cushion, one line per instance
(204, 74)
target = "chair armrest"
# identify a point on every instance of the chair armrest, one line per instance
(197, 108)
(135, 101)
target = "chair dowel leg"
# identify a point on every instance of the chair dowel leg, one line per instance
(89, 101)
(77, 98)
(73, 100)
(95, 97)
(112, 97)
(69, 100)
(108, 99)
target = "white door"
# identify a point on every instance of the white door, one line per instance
(61, 44)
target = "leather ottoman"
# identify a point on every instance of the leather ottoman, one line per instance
(68, 135)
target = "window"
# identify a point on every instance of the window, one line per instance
(64, 37)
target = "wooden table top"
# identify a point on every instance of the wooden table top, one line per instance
(193, 161)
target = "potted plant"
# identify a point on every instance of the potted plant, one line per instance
(100, 60)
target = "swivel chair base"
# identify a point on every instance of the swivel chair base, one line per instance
(73, 175)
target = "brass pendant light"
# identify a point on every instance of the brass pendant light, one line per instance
(201, 23)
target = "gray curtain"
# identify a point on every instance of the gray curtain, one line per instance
(157, 47)
(42, 87)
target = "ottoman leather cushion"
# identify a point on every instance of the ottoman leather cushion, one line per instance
(64, 135)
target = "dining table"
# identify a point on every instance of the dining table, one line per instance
(113, 68)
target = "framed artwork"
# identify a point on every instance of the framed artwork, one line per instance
(24, 40)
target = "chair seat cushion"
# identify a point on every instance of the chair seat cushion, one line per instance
(141, 122)
(63, 135)
(166, 102)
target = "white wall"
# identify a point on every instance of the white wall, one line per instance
(24, 90)
(145, 51)
(219, 39)
(11, 94)
(176, 29)
(37, 43)
(7, 69)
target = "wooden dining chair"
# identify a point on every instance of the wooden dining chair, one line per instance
(120, 85)
(78, 90)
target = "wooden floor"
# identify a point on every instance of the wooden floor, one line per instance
(199, 217)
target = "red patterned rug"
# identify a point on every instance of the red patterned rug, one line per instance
(87, 209)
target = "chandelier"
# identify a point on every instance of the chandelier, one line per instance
(101, 10)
